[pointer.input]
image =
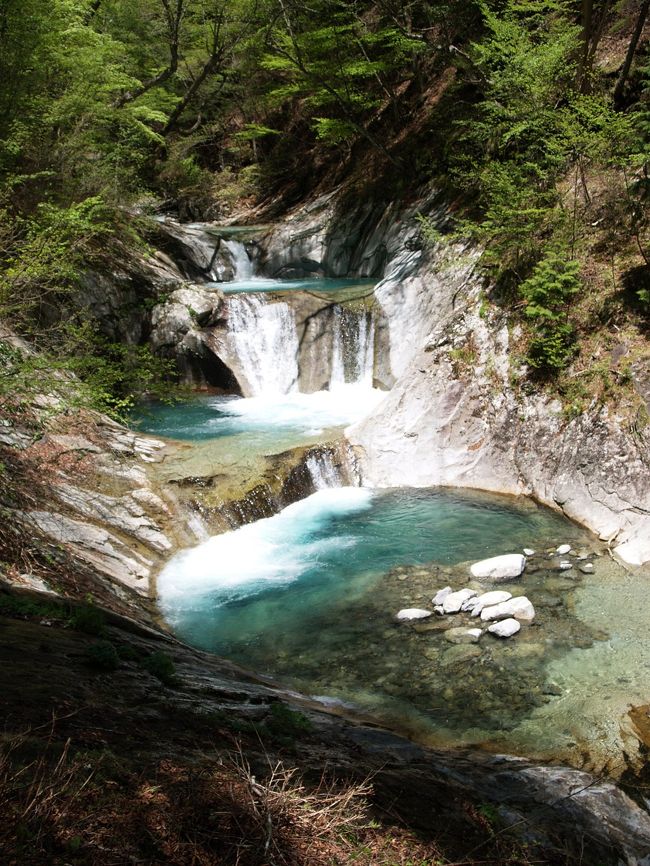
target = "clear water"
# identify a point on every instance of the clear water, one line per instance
(265, 421)
(325, 286)
(309, 597)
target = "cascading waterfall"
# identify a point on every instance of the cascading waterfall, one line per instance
(324, 473)
(240, 259)
(353, 347)
(264, 339)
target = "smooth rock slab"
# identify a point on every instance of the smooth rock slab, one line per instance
(410, 613)
(499, 567)
(520, 608)
(505, 628)
(454, 601)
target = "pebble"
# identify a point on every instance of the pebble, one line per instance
(563, 549)
(565, 565)
(505, 628)
(528, 551)
(586, 568)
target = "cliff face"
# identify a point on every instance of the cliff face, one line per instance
(460, 411)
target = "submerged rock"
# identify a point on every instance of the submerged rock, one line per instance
(499, 567)
(563, 549)
(586, 568)
(410, 613)
(463, 635)
(505, 628)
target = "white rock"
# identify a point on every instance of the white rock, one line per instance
(453, 602)
(528, 551)
(495, 596)
(469, 604)
(563, 548)
(586, 568)
(441, 595)
(565, 565)
(499, 567)
(439, 609)
(409, 613)
(505, 628)
(520, 608)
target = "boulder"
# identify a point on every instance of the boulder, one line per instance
(504, 567)
(410, 613)
(520, 608)
(454, 601)
(496, 596)
(505, 628)
(441, 595)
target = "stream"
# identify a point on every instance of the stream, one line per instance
(309, 595)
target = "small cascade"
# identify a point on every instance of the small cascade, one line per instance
(264, 340)
(353, 347)
(324, 473)
(240, 259)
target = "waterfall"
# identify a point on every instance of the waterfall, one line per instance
(323, 472)
(264, 339)
(353, 347)
(240, 259)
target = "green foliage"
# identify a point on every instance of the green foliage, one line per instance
(103, 656)
(286, 724)
(161, 665)
(340, 64)
(89, 619)
(547, 293)
(25, 608)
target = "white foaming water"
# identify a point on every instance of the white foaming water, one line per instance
(240, 259)
(353, 347)
(243, 562)
(265, 341)
(324, 473)
(321, 410)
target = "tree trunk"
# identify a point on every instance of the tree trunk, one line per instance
(631, 50)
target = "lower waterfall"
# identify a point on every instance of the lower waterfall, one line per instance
(264, 340)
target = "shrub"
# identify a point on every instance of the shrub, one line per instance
(103, 655)
(89, 619)
(547, 293)
(160, 665)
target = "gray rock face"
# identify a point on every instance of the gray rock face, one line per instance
(505, 567)
(453, 418)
